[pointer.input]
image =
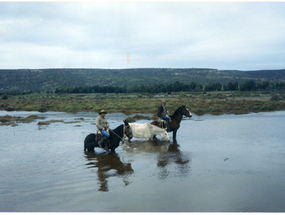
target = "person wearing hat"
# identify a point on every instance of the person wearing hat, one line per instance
(163, 113)
(102, 125)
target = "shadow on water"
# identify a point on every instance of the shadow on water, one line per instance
(146, 146)
(173, 163)
(108, 165)
(168, 159)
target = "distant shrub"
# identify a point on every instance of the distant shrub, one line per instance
(199, 112)
(42, 109)
(10, 108)
(182, 95)
(276, 97)
(4, 97)
(130, 119)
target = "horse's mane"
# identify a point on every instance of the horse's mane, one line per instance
(176, 112)
(120, 127)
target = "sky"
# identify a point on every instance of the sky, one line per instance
(146, 34)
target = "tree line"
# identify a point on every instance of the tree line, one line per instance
(249, 85)
(177, 86)
(155, 88)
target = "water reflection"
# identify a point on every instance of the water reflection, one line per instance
(173, 163)
(109, 165)
(146, 146)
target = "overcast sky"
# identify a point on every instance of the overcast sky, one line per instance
(225, 35)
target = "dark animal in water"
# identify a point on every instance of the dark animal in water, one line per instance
(175, 120)
(116, 136)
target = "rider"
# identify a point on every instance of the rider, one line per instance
(102, 125)
(163, 113)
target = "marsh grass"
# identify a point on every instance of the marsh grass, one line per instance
(199, 103)
(14, 120)
(49, 122)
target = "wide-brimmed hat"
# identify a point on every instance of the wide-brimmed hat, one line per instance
(163, 101)
(102, 111)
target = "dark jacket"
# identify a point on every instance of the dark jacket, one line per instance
(161, 111)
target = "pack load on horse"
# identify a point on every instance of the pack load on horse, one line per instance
(174, 121)
(116, 135)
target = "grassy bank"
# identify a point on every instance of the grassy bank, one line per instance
(199, 103)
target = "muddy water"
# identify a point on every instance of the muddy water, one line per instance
(218, 164)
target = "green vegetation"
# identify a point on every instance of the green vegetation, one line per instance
(48, 122)
(238, 102)
(12, 120)
(27, 81)
(141, 90)
(3, 97)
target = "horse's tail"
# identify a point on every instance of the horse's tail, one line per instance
(85, 146)
(89, 142)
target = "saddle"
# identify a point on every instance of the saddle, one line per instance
(99, 136)
(162, 123)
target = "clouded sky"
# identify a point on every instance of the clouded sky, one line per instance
(225, 35)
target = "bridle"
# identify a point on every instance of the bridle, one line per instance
(124, 130)
(186, 109)
(129, 131)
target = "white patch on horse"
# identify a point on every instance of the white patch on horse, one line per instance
(147, 131)
(189, 112)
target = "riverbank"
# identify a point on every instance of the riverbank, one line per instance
(215, 103)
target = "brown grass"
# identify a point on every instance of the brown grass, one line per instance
(198, 103)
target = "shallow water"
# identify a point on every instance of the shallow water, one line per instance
(228, 163)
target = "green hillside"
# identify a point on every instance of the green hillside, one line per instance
(51, 79)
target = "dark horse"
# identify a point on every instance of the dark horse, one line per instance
(116, 136)
(175, 120)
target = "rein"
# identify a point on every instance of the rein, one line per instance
(118, 135)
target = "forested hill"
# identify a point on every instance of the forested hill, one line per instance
(50, 79)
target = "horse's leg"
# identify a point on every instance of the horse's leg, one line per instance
(174, 134)
(90, 148)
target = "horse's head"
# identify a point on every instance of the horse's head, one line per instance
(164, 135)
(128, 130)
(186, 112)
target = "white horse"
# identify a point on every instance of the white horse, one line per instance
(148, 131)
